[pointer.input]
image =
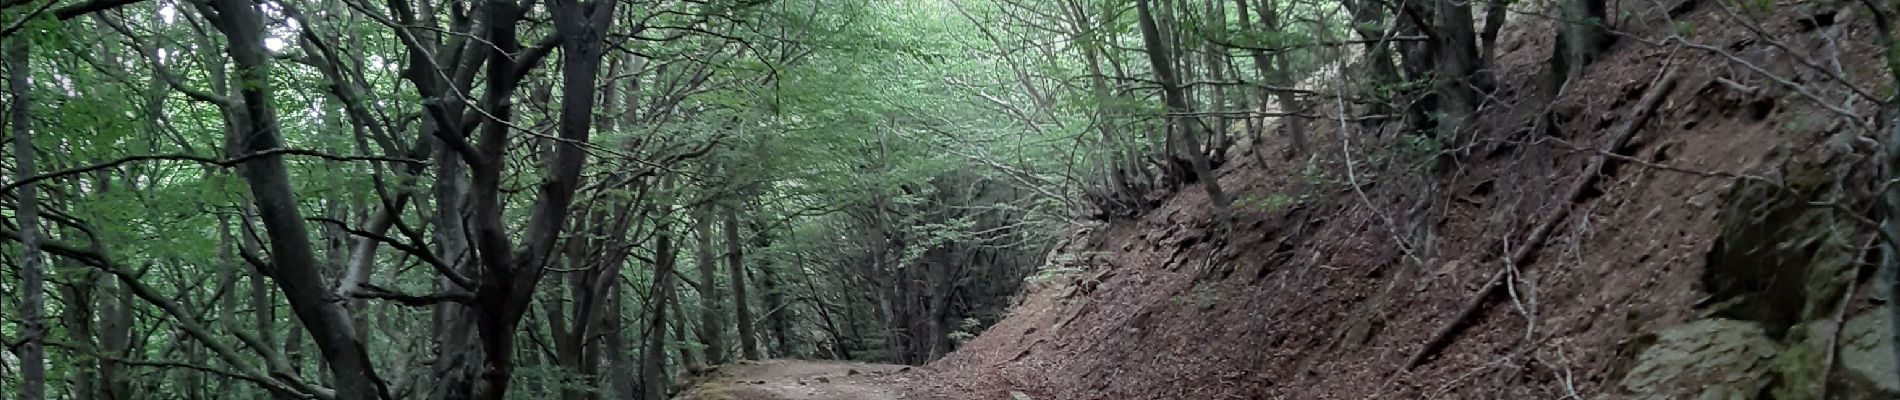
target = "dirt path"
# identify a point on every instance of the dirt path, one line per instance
(809, 380)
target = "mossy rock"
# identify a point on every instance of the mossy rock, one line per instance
(1799, 365)
(1710, 359)
(1777, 260)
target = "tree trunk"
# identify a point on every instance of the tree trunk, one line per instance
(1216, 56)
(77, 316)
(1889, 203)
(1495, 12)
(228, 265)
(1581, 36)
(1109, 163)
(512, 274)
(689, 355)
(735, 267)
(567, 339)
(32, 348)
(116, 324)
(293, 260)
(458, 360)
(712, 324)
(263, 305)
(653, 357)
(1417, 59)
(115, 337)
(1177, 106)
(1458, 81)
(778, 314)
(1368, 19)
(622, 375)
(1282, 76)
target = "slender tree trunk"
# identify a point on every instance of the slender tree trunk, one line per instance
(837, 346)
(712, 324)
(1114, 165)
(1368, 18)
(293, 261)
(885, 277)
(1417, 60)
(653, 357)
(77, 315)
(1495, 12)
(263, 305)
(735, 267)
(458, 360)
(622, 373)
(115, 339)
(1581, 36)
(779, 316)
(1214, 20)
(32, 348)
(512, 274)
(567, 343)
(689, 355)
(1889, 203)
(1282, 76)
(229, 265)
(1458, 81)
(1176, 101)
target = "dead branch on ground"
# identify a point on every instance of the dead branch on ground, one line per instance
(1637, 119)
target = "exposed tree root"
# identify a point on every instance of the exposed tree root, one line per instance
(1645, 108)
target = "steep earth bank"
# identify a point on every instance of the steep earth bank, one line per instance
(1695, 263)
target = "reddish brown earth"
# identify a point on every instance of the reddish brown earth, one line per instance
(1316, 299)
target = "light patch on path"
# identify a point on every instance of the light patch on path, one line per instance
(806, 380)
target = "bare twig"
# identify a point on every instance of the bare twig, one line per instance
(1832, 350)
(1352, 179)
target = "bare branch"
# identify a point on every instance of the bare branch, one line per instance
(227, 162)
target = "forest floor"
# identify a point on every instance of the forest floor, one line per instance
(816, 380)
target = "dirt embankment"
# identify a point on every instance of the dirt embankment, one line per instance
(1695, 264)
(1691, 266)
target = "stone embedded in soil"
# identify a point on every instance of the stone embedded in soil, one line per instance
(1707, 359)
(1866, 354)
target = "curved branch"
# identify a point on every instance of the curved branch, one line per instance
(227, 162)
(418, 251)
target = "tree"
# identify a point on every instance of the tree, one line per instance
(712, 325)
(736, 271)
(32, 348)
(419, 166)
(1183, 135)
(1457, 80)
(1580, 36)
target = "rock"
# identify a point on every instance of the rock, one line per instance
(1866, 364)
(1015, 395)
(1710, 359)
(1700, 200)
(851, 372)
(823, 379)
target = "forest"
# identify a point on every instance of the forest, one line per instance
(602, 199)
